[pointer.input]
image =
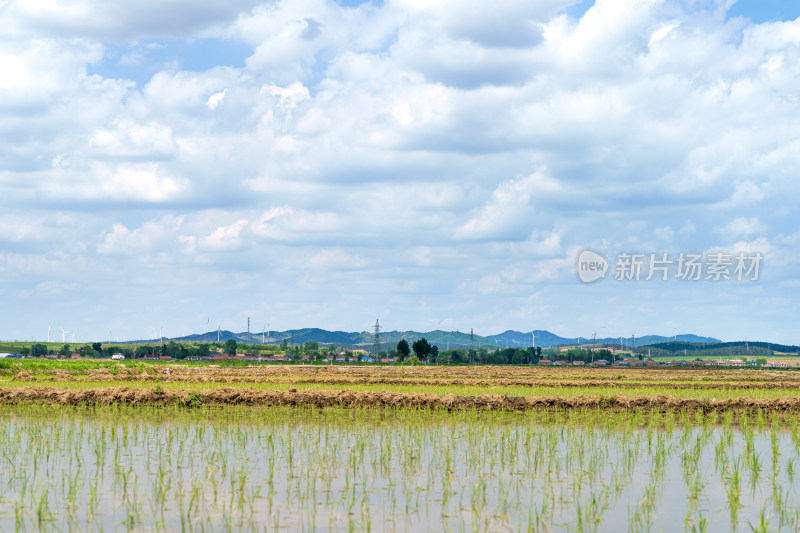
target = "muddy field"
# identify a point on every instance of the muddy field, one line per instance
(310, 448)
(264, 373)
(382, 399)
(141, 384)
(496, 376)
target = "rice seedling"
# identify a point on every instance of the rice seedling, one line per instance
(249, 468)
(166, 455)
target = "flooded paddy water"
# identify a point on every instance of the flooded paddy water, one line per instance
(233, 468)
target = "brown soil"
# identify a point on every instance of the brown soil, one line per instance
(740, 379)
(349, 398)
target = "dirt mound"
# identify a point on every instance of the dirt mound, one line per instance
(355, 399)
(441, 377)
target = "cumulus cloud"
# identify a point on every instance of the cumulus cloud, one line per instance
(124, 19)
(436, 149)
(505, 214)
(741, 227)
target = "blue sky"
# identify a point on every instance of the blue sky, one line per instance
(760, 11)
(435, 164)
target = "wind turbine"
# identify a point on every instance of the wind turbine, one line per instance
(218, 328)
(262, 333)
(48, 333)
(63, 335)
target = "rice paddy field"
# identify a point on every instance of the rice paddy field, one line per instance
(141, 447)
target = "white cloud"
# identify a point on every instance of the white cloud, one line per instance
(506, 213)
(215, 99)
(138, 183)
(376, 154)
(688, 228)
(125, 19)
(225, 237)
(665, 233)
(335, 259)
(741, 227)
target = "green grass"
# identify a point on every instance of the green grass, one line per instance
(80, 366)
(790, 359)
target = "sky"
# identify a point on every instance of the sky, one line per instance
(177, 166)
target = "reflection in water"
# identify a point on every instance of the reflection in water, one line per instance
(154, 468)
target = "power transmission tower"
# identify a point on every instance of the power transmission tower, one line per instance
(471, 354)
(376, 339)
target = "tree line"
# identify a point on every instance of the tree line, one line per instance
(423, 351)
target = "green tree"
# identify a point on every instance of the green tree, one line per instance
(143, 350)
(39, 350)
(519, 357)
(422, 348)
(203, 350)
(499, 357)
(65, 350)
(312, 346)
(230, 347)
(173, 350)
(434, 353)
(458, 355)
(87, 351)
(403, 350)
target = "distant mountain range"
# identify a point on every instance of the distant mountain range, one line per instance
(443, 339)
(513, 339)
